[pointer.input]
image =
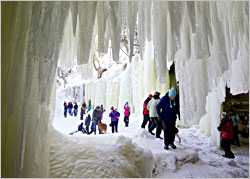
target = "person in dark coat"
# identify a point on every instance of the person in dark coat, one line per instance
(87, 123)
(65, 108)
(83, 109)
(227, 128)
(70, 106)
(75, 109)
(168, 109)
(235, 120)
(146, 117)
(96, 116)
(114, 115)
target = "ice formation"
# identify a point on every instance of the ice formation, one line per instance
(207, 41)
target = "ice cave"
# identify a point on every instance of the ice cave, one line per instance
(112, 52)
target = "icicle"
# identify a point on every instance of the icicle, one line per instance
(202, 48)
(131, 16)
(87, 13)
(115, 24)
(160, 38)
(74, 12)
(102, 15)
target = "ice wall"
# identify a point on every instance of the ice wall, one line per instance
(31, 41)
(207, 41)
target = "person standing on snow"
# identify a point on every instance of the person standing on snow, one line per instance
(70, 106)
(65, 108)
(156, 123)
(96, 116)
(126, 114)
(168, 109)
(75, 109)
(235, 120)
(87, 123)
(146, 117)
(83, 108)
(227, 128)
(114, 115)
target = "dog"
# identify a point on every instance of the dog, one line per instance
(103, 127)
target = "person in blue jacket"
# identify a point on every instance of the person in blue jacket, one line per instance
(168, 109)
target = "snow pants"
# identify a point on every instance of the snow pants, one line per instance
(65, 112)
(146, 118)
(126, 120)
(156, 123)
(114, 125)
(225, 144)
(169, 132)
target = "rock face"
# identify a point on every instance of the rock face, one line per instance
(207, 41)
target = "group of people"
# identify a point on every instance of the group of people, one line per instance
(161, 113)
(229, 132)
(68, 108)
(97, 116)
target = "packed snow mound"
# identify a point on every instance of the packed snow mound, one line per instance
(102, 156)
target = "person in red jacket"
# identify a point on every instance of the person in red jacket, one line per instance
(227, 128)
(146, 117)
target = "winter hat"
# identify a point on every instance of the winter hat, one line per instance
(98, 107)
(112, 108)
(150, 95)
(157, 93)
(126, 103)
(171, 92)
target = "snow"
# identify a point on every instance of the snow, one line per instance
(134, 152)
(38, 33)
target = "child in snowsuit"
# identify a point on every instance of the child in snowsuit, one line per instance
(126, 114)
(227, 128)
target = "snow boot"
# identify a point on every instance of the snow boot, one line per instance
(151, 133)
(173, 146)
(166, 147)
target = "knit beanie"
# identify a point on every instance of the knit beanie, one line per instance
(172, 92)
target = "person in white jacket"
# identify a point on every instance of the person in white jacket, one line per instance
(154, 117)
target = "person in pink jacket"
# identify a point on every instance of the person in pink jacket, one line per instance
(126, 114)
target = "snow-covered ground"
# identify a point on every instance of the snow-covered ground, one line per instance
(133, 152)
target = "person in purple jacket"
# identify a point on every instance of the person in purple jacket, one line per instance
(114, 119)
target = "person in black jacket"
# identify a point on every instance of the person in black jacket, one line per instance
(75, 109)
